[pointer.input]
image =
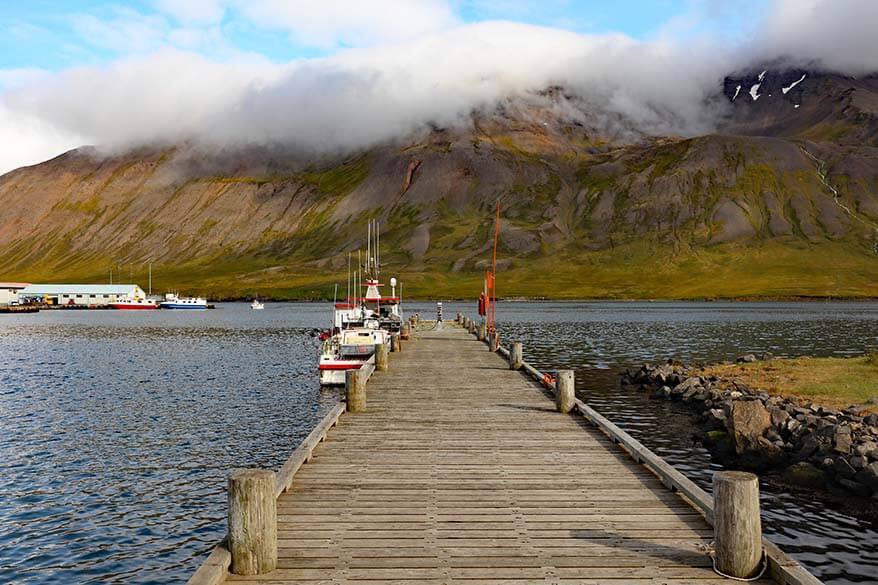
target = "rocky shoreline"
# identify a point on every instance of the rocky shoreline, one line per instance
(811, 446)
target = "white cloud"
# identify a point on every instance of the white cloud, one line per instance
(332, 23)
(126, 31)
(28, 140)
(193, 11)
(837, 34)
(439, 72)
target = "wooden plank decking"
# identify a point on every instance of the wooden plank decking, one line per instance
(461, 471)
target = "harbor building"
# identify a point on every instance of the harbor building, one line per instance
(9, 292)
(84, 295)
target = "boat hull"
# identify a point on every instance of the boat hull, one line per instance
(179, 307)
(333, 373)
(133, 307)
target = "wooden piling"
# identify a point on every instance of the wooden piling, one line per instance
(381, 357)
(483, 331)
(252, 522)
(406, 331)
(564, 391)
(355, 391)
(494, 341)
(516, 356)
(737, 525)
(395, 343)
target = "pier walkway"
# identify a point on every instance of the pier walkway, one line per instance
(462, 471)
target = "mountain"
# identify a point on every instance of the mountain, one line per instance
(781, 200)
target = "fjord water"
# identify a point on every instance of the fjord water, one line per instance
(119, 428)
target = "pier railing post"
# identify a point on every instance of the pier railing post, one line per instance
(395, 343)
(516, 356)
(737, 524)
(252, 522)
(381, 357)
(406, 331)
(495, 341)
(355, 391)
(483, 331)
(564, 391)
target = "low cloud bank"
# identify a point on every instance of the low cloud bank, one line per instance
(360, 97)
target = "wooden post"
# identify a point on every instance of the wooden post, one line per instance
(395, 343)
(355, 391)
(495, 341)
(381, 357)
(516, 356)
(737, 524)
(406, 331)
(564, 391)
(483, 331)
(252, 522)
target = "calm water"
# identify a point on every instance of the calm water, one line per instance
(119, 428)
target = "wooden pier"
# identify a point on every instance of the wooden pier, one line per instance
(462, 470)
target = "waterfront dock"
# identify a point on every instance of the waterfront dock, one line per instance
(461, 469)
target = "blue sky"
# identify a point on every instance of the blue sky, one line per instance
(54, 35)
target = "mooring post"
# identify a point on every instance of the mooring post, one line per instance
(252, 522)
(516, 356)
(495, 341)
(395, 343)
(381, 357)
(355, 391)
(564, 391)
(483, 331)
(406, 331)
(737, 524)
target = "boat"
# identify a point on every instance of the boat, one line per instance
(134, 305)
(360, 323)
(172, 301)
(256, 305)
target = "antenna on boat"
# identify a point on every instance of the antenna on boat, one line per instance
(349, 278)
(377, 249)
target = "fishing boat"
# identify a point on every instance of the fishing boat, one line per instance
(134, 305)
(256, 305)
(172, 301)
(361, 322)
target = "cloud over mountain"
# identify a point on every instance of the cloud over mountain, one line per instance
(419, 67)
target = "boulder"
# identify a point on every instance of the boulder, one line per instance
(748, 421)
(746, 358)
(869, 476)
(843, 441)
(779, 416)
(805, 474)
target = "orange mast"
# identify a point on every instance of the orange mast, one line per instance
(491, 293)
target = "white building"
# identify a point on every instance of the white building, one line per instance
(9, 292)
(87, 295)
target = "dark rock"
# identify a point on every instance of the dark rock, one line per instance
(767, 356)
(855, 487)
(858, 462)
(778, 416)
(805, 475)
(869, 476)
(871, 419)
(808, 446)
(843, 468)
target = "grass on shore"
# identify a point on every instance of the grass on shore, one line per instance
(832, 382)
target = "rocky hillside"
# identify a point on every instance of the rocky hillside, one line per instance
(781, 201)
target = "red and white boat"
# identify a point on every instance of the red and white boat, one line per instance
(134, 305)
(360, 323)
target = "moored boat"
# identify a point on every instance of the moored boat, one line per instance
(172, 301)
(256, 305)
(360, 323)
(134, 305)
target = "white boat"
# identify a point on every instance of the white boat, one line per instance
(172, 301)
(256, 305)
(360, 323)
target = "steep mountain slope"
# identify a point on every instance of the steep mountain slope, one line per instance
(587, 212)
